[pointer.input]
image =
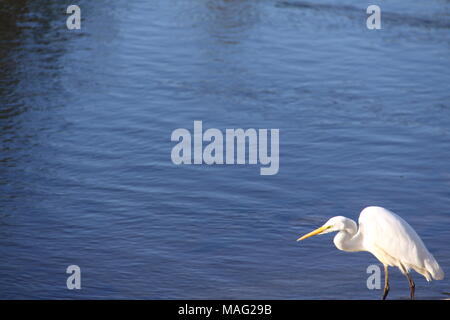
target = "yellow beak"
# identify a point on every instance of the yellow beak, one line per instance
(313, 233)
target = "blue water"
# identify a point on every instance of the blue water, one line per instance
(86, 117)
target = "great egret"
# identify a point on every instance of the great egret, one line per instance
(389, 238)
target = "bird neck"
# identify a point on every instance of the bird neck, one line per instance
(349, 239)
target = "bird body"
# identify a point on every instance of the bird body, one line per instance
(395, 243)
(388, 237)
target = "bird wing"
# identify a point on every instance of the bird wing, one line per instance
(393, 241)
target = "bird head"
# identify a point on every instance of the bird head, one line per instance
(333, 225)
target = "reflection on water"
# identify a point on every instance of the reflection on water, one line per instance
(85, 124)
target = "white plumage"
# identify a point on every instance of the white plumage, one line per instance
(389, 238)
(395, 243)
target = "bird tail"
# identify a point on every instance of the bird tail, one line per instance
(434, 269)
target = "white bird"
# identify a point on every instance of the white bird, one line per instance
(389, 238)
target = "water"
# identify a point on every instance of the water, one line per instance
(86, 117)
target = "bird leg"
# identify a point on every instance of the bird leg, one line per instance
(386, 282)
(412, 286)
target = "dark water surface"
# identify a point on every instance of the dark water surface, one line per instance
(86, 117)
